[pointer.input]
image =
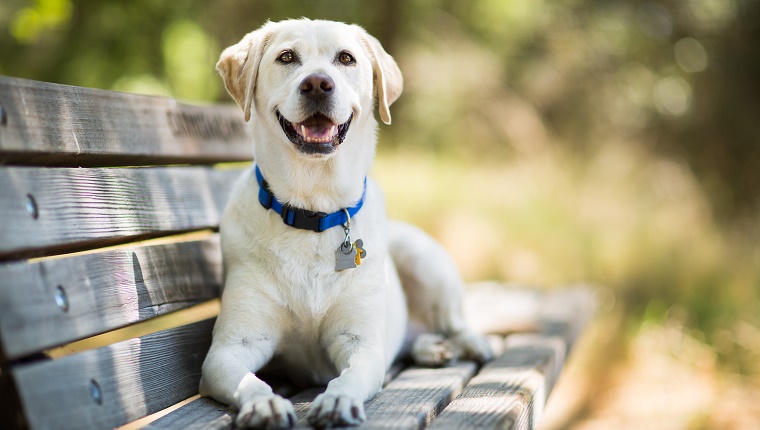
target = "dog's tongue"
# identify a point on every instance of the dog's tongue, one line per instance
(316, 129)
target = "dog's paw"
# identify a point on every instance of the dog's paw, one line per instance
(329, 410)
(473, 346)
(271, 412)
(433, 350)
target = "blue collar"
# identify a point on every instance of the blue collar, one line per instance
(304, 218)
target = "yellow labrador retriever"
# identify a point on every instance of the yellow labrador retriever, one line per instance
(316, 278)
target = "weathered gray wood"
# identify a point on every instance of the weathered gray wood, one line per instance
(61, 125)
(63, 209)
(511, 391)
(56, 301)
(416, 396)
(565, 312)
(411, 400)
(111, 386)
(200, 414)
(492, 307)
(208, 414)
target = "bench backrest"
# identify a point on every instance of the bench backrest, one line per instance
(109, 208)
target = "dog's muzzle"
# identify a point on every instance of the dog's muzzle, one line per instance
(317, 134)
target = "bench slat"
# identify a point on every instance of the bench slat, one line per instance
(200, 414)
(410, 401)
(54, 210)
(414, 398)
(56, 301)
(62, 125)
(565, 312)
(208, 414)
(114, 385)
(511, 391)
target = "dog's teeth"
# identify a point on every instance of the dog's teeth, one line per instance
(303, 130)
(334, 130)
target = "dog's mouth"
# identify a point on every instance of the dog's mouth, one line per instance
(317, 134)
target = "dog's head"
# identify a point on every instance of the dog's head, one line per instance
(311, 79)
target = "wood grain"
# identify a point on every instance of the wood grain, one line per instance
(47, 211)
(52, 302)
(416, 396)
(61, 125)
(511, 391)
(200, 414)
(209, 414)
(111, 386)
(411, 400)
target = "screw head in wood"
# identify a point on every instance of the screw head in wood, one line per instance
(95, 392)
(31, 207)
(61, 298)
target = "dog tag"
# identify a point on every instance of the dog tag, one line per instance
(345, 257)
(360, 252)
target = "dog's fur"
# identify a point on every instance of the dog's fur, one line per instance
(283, 298)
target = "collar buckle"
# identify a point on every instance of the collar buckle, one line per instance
(303, 219)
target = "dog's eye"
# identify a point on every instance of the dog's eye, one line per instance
(286, 57)
(346, 58)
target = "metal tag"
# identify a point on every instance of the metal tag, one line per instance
(345, 257)
(349, 256)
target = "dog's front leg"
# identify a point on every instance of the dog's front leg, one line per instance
(229, 380)
(245, 339)
(354, 343)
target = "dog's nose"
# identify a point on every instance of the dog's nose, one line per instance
(316, 85)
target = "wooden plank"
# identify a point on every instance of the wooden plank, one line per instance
(111, 386)
(565, 312)
(56, 301)
(204, 413)
(493, 307)
(61, 125)
(45, 211)
(511, 391)
(414, 398)
(200, 414)
(411, 400)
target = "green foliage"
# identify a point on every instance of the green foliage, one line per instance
(29, 22)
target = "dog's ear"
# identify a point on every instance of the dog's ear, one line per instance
(239, 65)
(388, 80)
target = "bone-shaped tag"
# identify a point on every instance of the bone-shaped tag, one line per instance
(349, 256)
(360, 252)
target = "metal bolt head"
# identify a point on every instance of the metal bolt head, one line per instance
(31, 207)
(95, 392)
(61, 298)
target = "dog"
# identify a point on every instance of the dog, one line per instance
(316, 278)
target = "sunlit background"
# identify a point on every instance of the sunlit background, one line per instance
(614, 143)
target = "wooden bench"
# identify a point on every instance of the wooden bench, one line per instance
(110, 275)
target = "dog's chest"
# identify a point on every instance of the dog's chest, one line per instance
(307, 282)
